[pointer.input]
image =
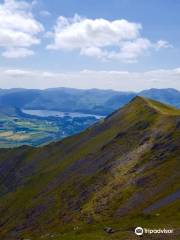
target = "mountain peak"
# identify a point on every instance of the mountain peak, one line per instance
(138, 99)
(138, 103)
(137, 108)
(154, 105)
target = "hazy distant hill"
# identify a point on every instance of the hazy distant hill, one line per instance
(18, 97)
(120, 173)
(168, 96)
(9, 111)
(92, 101)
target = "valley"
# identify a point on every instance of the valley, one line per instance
(34, 130)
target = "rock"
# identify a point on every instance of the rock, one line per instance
(108, 230)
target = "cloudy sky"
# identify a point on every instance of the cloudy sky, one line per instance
(125, 45)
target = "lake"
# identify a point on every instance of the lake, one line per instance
(51, 113)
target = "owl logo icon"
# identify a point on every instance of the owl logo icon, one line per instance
(139, 231)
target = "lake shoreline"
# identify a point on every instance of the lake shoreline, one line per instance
(58, 114)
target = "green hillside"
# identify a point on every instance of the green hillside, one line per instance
(123, 172)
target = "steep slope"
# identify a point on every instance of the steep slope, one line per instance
(122, 172)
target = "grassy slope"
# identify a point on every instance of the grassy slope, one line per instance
(106, 176)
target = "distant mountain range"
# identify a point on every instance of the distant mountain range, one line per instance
(94, 101)
(121, 173)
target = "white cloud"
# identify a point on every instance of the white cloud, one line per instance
(162, 44)
(17, 53)
(18, 73)
(131, 50)
(94, 52)
(86, 79)
(101, 38)
(83, 33)
(18, 28)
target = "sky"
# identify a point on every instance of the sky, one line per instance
(126, 45)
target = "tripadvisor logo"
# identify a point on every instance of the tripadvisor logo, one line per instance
(140, 231)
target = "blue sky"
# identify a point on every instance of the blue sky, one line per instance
(86, 44)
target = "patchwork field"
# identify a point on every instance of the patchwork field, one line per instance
(17, 131)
